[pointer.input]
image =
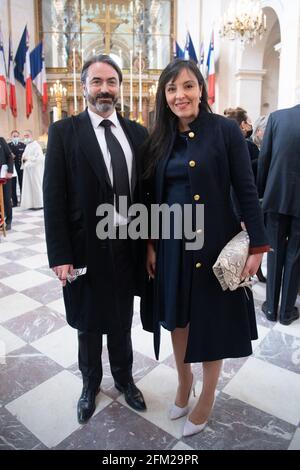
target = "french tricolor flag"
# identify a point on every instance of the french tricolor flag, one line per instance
(38, 73)
(12, 83)
(3, 87)
(22, 69)
(211, 74)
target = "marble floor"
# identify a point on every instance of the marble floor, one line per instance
(257, 404)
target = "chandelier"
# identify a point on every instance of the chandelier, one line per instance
(244, 20)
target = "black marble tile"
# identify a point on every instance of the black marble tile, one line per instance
(25, 368)
(5, 290)
(29, 241)
(117, 427)
(33, 325)
(46, 292)
(234, 425)
(10, 269)
(280, 349)
(20, 253)
(15, 436)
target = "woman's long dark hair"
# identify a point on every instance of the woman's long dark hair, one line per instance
(165, 120)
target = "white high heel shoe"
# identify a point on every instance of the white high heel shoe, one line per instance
(176, 412)
(190, 428)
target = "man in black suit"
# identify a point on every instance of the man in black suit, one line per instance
(81, 173)
(279, 185)
(6, 158)
(17, 149)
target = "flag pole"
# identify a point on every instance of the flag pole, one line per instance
(10, 31)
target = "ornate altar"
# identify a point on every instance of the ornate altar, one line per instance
(114, 27)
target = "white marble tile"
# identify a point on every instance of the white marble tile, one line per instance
(293, 329)
(295, 444)
(33, 220)
(25, 280)
(182, 446)
(159, 390)
(136, 305)
(7, 246)
(259, 291)
(40, 247)
(60, 395)
(15, 236)
(4, 260)
(34, 262)
(58, 306)
(24, 227)
(61, 346)
(269, 388)
(262, 333)
(16, 304)
(9, 342)
(143, 342)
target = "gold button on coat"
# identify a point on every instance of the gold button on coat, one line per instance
(191, 135)
(198, 265)
(192, 163)
(197, 197)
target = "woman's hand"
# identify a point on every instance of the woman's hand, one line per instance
(151, 259)
(252, 265)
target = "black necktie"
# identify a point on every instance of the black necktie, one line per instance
(119, 165)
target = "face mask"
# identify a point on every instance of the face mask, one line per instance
(27, 140)
(15, 140)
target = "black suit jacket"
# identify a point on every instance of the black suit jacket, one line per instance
(6, 157)
(75, 184)
(278, 178)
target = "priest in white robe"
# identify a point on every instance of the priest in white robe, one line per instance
(33, 165)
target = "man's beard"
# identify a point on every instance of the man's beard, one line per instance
(102, 107)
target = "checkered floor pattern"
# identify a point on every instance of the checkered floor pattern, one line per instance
(257, 404)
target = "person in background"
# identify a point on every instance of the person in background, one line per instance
(6, 171)
(279, 185)
(33, 169)
(17, 148)
(241, 117)
(259, 128)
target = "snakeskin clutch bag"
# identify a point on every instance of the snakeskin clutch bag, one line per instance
(231, 261)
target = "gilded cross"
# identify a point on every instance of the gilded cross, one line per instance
(108, 24)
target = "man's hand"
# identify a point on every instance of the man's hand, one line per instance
(62, 272)
(9, 175)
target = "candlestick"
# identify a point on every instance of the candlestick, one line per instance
(131, 86)
(140, 81)
(74, 81)
(121, 86)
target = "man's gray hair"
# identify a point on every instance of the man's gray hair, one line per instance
(260, 123)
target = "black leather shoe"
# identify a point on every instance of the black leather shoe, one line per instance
(86, 404)
(288, 319)
(132, 395)
(8, 227)
(269, 315)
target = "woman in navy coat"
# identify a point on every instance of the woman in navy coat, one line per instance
(193, 157)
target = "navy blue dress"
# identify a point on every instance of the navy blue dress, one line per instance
(174, 264)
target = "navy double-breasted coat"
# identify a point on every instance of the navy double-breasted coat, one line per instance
(222, 324)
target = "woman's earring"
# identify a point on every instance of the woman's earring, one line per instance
(200, 99)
